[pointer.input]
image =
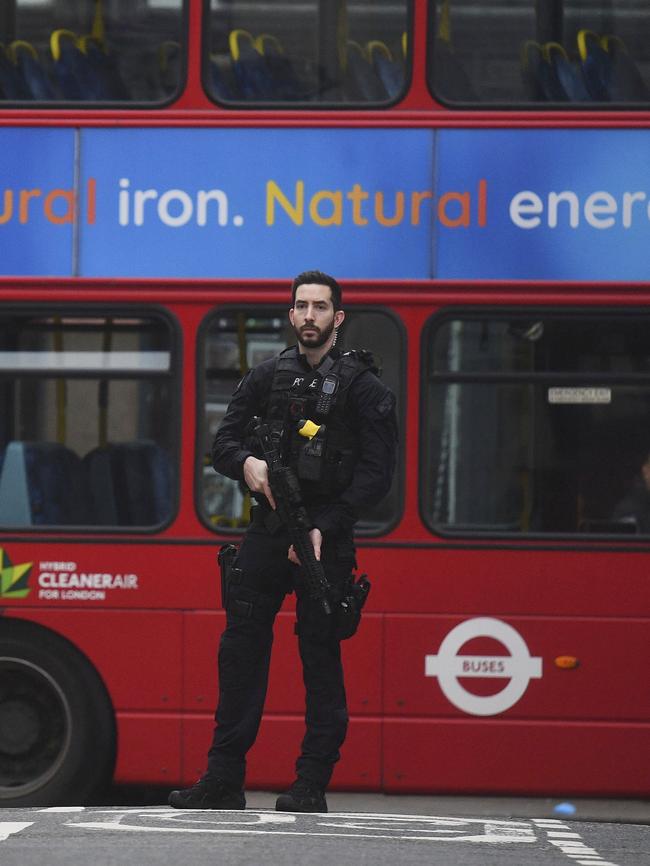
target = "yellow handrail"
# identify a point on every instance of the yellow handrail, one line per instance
(550, 47)
(444, 25)
(233, 42)
(20, 45)
(377, 45)
(525, 51)
(98, 30)
(267, 37)
(55, 41)
(583, 37)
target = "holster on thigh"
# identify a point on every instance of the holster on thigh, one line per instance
(347, 609)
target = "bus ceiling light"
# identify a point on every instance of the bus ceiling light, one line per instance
(566, 663)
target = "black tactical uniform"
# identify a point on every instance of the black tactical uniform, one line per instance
(354, 469)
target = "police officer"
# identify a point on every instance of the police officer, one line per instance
(348, 465)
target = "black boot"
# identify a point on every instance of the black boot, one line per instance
(302, 796)
(208, 793)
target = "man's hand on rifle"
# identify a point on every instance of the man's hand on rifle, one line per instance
(256, 476)
(316, 538)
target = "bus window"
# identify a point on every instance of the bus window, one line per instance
(564, 54)
(325, 51)
(85, 438)
(93, 51)
(237, 339)
(535, 423)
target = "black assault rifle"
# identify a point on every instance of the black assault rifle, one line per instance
(293, 514)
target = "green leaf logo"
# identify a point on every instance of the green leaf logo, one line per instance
(14, 578)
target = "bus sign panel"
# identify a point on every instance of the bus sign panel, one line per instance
(361, 203)
(559, 204)
(257, 203)
(38, 202)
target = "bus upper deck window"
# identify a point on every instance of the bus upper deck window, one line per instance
(549, 54)
(90, 52)
(332, 52)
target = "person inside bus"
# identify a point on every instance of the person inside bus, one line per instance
(352, 467)
(635, 505)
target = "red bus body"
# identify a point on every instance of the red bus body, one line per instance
(565, 621)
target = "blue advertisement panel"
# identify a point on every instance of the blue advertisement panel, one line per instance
(543, 204)
(39, 203)
(380, 203)
(257, 203)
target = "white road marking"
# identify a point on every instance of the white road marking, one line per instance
(344, 825)
(551, 822)
(570, 843)
(350, 825)
(9, 828)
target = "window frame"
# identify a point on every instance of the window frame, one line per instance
(174, 375)
(66, 105)
(298, 105)
(498, 312)
(531, 106)
(201, 379)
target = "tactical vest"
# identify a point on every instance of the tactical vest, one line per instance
(324, 454)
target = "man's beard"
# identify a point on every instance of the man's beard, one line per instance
(314, 342)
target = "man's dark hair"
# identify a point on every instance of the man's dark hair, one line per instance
(320, 279)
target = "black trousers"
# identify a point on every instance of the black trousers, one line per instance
(245, 655)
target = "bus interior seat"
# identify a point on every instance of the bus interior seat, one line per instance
(221, 80)
(567, 74)
(104, 63)
(99, 472)
(281, 71)
(626, 83)
(258, 68)
(609, 72)
(549, 75)
(42, 484)
(389, 71)
(250, 71)
(70, 68)
(85, 68)
(361, 83)
(595, 64)
(130, 484)
(28, 64)
(12, 85)
(82, 69)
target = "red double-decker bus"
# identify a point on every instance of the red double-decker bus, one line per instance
(476, 176)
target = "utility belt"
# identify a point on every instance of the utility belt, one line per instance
(347, 601)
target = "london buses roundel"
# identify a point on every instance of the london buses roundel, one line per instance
(517, 668)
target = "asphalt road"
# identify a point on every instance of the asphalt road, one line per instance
(152, 835)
